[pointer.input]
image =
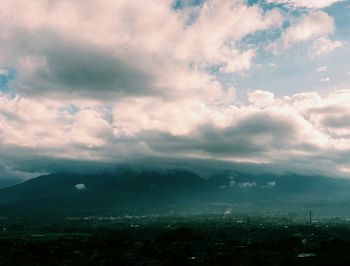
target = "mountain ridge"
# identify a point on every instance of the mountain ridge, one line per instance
(168, 191)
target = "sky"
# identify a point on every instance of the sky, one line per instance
(261, 82)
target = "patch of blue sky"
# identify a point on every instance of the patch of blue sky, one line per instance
(284, 74)
(213, 69)
(192, 9)
(3, 81)
(260, 39)
(264, 5)
(7, 75)
(107, 113)
(291, 71)
(338, 66)
(284, 8)
(70, 109)
(341, 14)
(181, 4)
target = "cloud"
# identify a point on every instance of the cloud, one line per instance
(287, 128)
(239, 63)
(10, 176)
(6, 76)
(261, 98)
(254, 135)
(135, 115)
(303, 129)
(306, 3)
(312, 29)
(106, 81)
(69, 68)
(80, 186)
(326, 79)
(31, 124)
(68, 50)
(232, 183)
(247, 184)
(241, 185)
(324, 46)
(332, 115)
(322, 69)
(270, 184)
(310, 26)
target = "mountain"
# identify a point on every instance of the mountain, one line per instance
(128, 191)
(145, 192)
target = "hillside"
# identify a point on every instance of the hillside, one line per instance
(146, 192)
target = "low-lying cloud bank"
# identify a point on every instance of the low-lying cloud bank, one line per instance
(304, 128)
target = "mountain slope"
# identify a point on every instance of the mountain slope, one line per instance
(103, 193)
(176, 190)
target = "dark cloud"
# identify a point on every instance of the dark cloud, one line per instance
(67, 68)
(338, 121)
(8, 177)
(12, 173)
(254, 136)
(88, 72)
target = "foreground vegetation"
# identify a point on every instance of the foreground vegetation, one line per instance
(174, 240)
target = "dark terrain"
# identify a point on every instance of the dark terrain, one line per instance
(175, 191)
(174, 240)
(175, 217)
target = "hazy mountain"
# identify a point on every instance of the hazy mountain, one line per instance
(163, 191)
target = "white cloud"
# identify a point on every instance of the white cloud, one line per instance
(80, 186)
(232, 183)
(261, 98)
(270, 184)
(4, 72)
(315, 24)
(9, 175)
(322, 69)
(326, 79)
(313, 28)
(135, 115)
(247, 184)
(239, 63)
(305, 128)
(306, 3)
(324, 46)
(219, 25)
(49, 126)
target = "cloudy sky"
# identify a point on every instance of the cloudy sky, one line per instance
(243, 81)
